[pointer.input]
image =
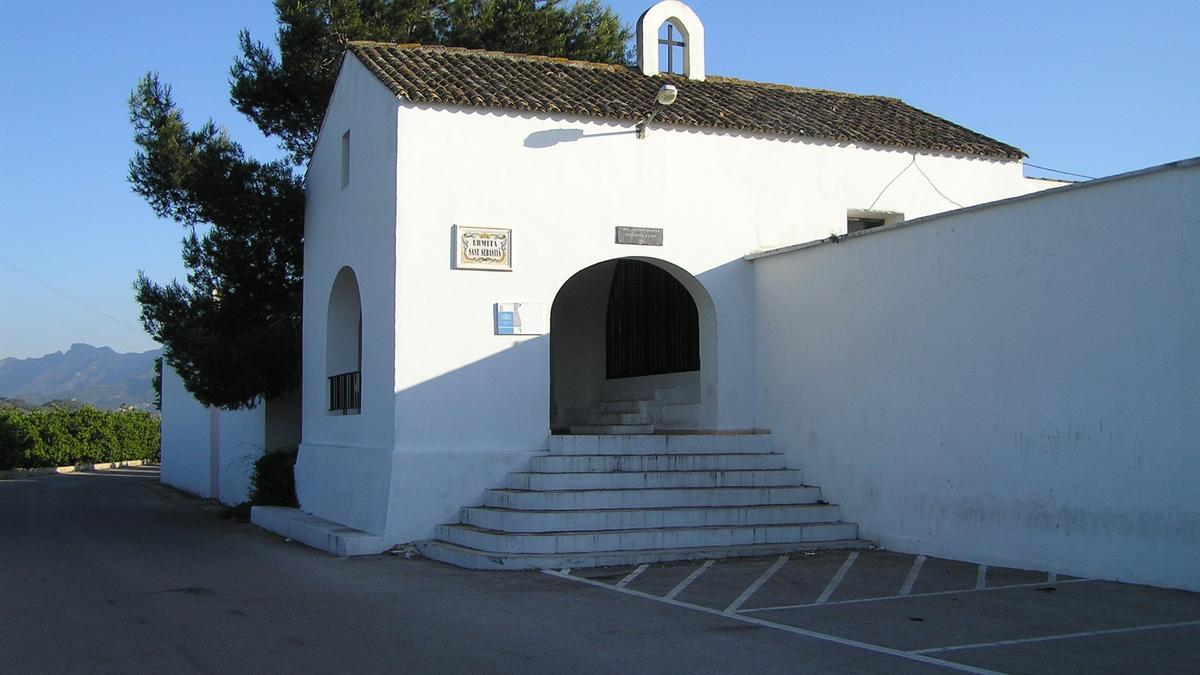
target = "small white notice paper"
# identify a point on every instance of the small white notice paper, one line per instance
(520, 318)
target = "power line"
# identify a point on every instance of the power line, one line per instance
(893, 180)
(1066, 173)
(72, 298)
(930, 181)
(911, 164)
(87, 330)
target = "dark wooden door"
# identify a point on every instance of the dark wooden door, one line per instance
(653, 327)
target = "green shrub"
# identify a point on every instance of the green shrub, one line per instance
(273, 482)
(69, 436)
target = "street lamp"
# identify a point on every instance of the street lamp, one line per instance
(667, 94)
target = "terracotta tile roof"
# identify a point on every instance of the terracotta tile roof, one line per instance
(483, 79)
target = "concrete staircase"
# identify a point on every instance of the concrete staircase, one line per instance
(635, 412)
(612, 499)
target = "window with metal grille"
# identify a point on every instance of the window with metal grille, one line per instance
(345, 392)
(343, 344)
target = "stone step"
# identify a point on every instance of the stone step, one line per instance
(635, 407)
(640, 395)
(557, 500)
(655, 538)
(508, 520)
(613, 429)
(615, 497)
(676, 462)
(475, 559)
(652, 479)
(617, 419)
(657, 444)
(318, 533)
(675, 416)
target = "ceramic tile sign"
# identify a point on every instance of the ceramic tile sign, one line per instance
(482, 248)
(640, 236)
(520, 318)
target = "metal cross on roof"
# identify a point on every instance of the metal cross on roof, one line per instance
(671, 43)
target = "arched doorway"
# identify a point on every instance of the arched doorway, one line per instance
(630, 335)
(343, 345)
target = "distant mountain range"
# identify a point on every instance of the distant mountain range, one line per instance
(97, 376)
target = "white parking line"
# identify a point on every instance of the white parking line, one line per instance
(981, 578)
(904, 597)
(912, 575)
(837, 578)
(688, 581)
(1063, 636)
(779, 626)
(631, 576)
(762, 579)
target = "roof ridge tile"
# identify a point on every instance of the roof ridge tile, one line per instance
(491, 53)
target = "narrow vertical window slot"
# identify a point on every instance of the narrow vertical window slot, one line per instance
(346, 159)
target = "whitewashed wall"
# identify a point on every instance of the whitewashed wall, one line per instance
(716, 195)
(1016, 384)
(448, 406)
(186, 452)
(240, 442)
(210, 452)
(578, 348)
(344, 469)
(562, 185)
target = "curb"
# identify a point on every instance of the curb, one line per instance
(45, 471)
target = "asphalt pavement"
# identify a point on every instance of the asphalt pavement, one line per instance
(113, 572)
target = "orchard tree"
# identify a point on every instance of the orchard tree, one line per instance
(232, 331)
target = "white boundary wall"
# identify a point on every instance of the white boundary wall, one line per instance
(240, 435)
(211, 452)
(185, 437)
(1015, 383)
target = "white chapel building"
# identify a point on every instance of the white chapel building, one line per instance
(560, 313)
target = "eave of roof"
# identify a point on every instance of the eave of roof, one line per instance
(517, 82)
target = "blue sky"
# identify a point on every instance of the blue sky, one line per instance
(1094, 87)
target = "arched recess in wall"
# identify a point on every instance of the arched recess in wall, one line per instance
(628, 326)
(343, 344)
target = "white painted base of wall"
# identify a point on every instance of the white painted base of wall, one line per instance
(316, 532)
(1135, 560)
(347, 485)
(400, 496)
(431, 489)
